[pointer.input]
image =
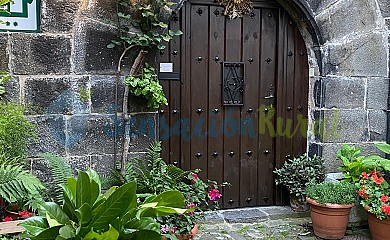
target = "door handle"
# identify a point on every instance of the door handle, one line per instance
(270, 96)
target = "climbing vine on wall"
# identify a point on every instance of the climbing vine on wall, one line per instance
(142, 25)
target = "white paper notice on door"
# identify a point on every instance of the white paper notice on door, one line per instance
(166, 67)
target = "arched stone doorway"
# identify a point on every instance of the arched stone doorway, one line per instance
(240, 108)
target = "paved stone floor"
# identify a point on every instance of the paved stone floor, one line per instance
(277, 223)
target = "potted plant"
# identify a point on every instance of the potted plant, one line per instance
(374, 192)
(296, 174)
(330, 205)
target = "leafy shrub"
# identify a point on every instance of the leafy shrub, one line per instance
(89, 214)
(353, 164)
(298, 172)
(60, 171)
(18, 185)
(15, 130)
(332, 192)
(147, 84)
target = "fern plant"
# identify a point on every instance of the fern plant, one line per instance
(152, 174)
(18, 185)
(61, 171)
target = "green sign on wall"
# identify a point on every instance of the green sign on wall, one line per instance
(22, 16)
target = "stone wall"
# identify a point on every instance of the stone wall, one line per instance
(65, 75)
(351, 91)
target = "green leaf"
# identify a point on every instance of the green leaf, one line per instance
(55, 212)
(163, 25)
(113, 206)
(111, 45)
(67, 232)
(47, 234)
(83, 189)
(84, 214)
(34, 225)
(111, 234)
(145, 235)
(384, 147)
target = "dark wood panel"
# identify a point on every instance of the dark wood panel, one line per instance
(249, 115)
(300, 97)
(280, 151)
(199, 85)
(175, 95)
(186, 88)
(232, 117)
(215, 111)
(164, 116)
(268, 66)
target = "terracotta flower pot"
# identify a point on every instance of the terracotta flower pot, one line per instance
(330, 220)
(379, 228)
(194, 231)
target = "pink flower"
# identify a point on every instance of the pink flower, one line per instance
(191, 205)
(173, 229)
(214, 195)
(195, 177)
(164, 229)
(7, 219)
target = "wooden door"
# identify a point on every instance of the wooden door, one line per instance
(240, 107)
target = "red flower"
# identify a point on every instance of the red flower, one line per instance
(377, 180)
(7, 219)
(384, 198)
(364, 175)
(361, 192)
(386, 209)
(25, 214)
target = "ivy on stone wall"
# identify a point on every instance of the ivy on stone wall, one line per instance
(142, 25)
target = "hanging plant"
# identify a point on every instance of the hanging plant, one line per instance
(236, 8)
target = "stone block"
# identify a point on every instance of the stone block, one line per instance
(384, 5)
(4, 60)
(344, 126)
(35, 54)
(63, 95)
(79, 163)
(143, 131)
(319, 5)
(377, 125)
(89, 135)
(51, 136)
(364, 56)
(41, 171)
(377, 93)
(58, 16)
(102, 10)
(93, 56)
(103, 164)
(330, 153)
(344, 93)
(103, 94)
(12, 89)
(348, 17)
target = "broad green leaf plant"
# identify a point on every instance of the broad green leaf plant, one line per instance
(89, 214)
